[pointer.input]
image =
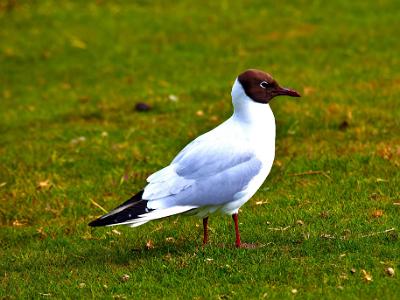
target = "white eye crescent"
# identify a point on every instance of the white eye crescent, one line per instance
(264, 84)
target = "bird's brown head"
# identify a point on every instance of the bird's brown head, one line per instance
(261, 87)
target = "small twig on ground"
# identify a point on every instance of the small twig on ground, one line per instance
(379, 232)
(280, 228)
(98, 205)
(311, 172)
(262, 202)
(158, 228)
(327, 236)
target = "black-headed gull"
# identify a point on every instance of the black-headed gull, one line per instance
(217, 172)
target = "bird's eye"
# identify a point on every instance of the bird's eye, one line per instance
(264, 84)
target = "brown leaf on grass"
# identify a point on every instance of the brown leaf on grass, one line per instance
(149, 245)
(170, 239)
(396, 203)
(167, 257)
(346, 234)
(214, 118)
(377, 213)
(366, 276)
(173, 98)
(374, 196)
(308, 90)
(389, 271)
(41, 232)
(125, 277)
(333, 108)
(199, 113)
(116, 232)
(43, 185)
(385, 152)
(18, 223)
(349, 115)
(324, 214)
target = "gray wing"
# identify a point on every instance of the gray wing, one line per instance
(202, 159)
(206, 172)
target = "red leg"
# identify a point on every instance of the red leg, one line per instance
(205, 228)
(235, 218)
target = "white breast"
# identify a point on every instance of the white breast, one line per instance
(261, 135)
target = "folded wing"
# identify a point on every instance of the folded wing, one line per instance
(205, 172)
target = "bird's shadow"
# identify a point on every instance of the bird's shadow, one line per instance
(121, 255)
(100, 252)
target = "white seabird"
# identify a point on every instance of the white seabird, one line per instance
(217, 172)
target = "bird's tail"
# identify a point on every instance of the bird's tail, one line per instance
(135, 212)
(126, 213)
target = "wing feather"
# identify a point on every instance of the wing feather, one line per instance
(205, 172)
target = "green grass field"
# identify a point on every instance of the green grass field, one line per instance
(71, 73)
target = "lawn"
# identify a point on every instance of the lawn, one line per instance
(71, 143)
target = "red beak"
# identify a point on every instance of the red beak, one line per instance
(288, 92)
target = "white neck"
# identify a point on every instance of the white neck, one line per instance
(248, 111)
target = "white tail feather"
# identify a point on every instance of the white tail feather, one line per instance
(162, 213)
(137, 224)
(155, 214)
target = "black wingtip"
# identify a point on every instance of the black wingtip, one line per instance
(129, 210)
(101, 222)
(98, 222)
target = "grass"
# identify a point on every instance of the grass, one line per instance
(70, 75)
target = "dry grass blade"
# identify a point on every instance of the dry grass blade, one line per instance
(366, 276)
(280, 228)
(379, 232)
(311, 172)
(98, 205)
